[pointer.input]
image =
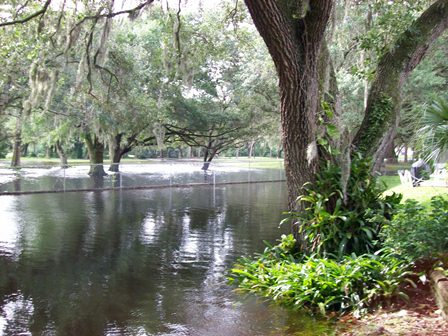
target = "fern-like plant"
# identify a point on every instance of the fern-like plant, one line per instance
(434, 129)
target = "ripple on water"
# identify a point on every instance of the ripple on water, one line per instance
(148, 262)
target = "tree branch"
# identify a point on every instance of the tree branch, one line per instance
(393, 69)
(40, 12)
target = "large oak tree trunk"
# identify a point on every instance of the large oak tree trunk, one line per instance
(115, 153)
(119, 148)
(95, 149)
(293, 33)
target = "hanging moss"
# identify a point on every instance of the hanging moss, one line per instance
(159, 132)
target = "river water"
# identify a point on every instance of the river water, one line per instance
(142, 262)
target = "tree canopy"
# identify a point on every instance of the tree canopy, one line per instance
(203, 78)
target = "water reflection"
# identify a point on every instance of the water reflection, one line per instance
(137, 263)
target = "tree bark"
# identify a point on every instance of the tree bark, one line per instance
(61, 154)
(393, 69)
(16, 152)
(24, 149)
(209, 153)
(95, 149)
(118, 148)
(115, 154)
(383, 150)
(251, 148)
(293, 33)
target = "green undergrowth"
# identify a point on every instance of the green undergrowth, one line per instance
(419, 232)
(342, 221)
(357, 245)
(350, 284)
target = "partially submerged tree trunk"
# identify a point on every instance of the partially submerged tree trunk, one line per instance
(95, 149)
(251, 148)
(61, 154)
(16, 149)
(209, 154)
(119, 148)
(208, 157)
(115, 153)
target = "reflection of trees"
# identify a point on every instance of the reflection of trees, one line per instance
(92, 262)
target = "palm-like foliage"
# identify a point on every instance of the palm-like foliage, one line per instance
(434, 130)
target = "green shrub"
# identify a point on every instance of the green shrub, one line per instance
(321, 284)
(418, 232)
(332, 223)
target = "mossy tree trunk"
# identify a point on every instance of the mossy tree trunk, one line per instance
(16, 148)
(117, 149)
(293, 32)
(95, 150)
(394, 67)
(24, 149)
(61, 153)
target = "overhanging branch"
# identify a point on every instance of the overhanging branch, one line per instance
(40, 12)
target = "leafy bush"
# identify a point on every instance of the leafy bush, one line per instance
(351, 284)
(418, 232)
(334, 223)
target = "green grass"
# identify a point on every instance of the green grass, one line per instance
(256, 163)
(390, 181)
(30, 161)
(397, 166)
(421, 194)
(242, 162)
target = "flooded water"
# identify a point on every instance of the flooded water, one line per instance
(131, 175)
(146, 262)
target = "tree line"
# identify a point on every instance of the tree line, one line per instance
(205, 78)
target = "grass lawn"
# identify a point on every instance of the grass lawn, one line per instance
(256, 163)
(30, 161)
(421, 194)
(242, 162)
